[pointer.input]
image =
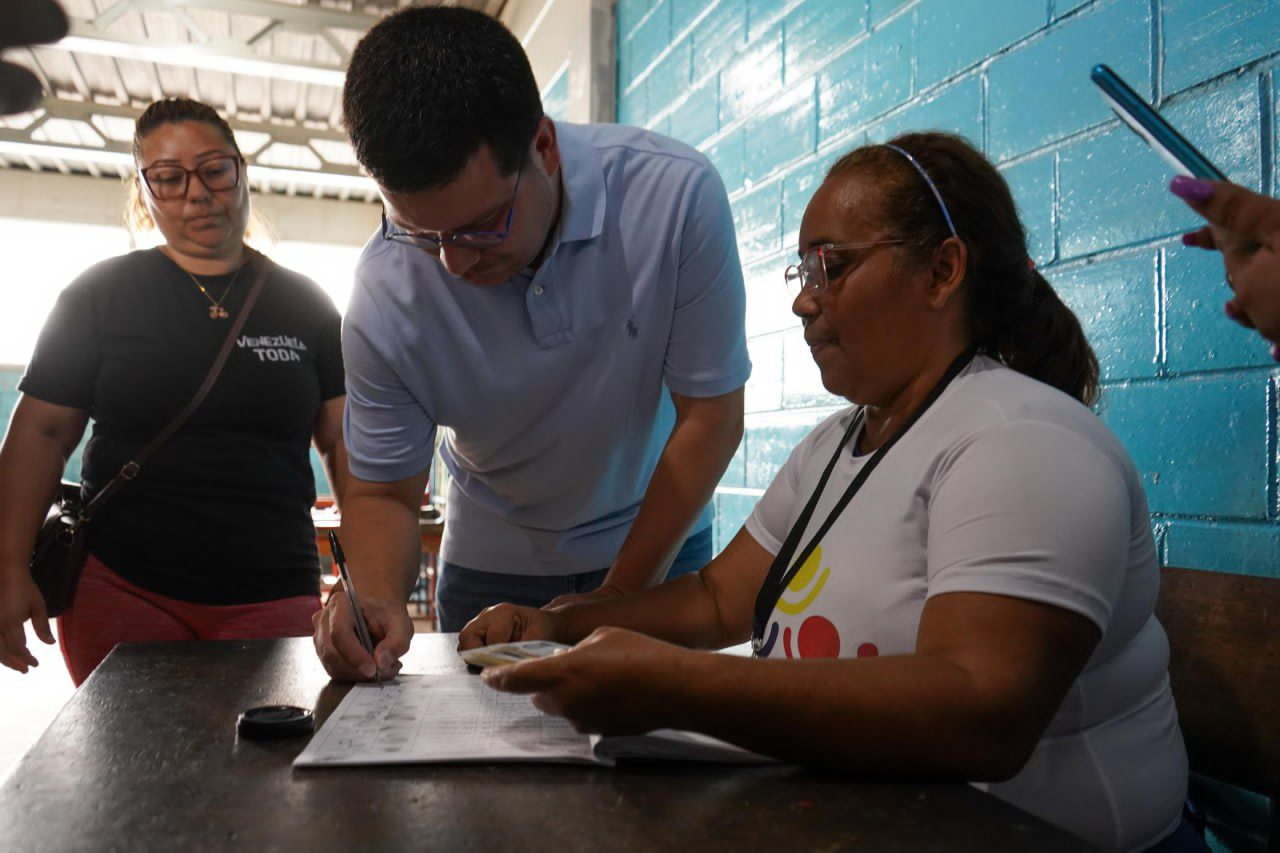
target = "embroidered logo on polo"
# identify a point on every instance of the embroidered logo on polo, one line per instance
(817, 637)
(273, 347)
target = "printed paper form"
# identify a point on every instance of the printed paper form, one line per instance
(435, 718)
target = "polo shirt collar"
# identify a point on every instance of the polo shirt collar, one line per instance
(582, 217)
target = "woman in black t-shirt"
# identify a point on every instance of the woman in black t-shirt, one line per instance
(214, 538)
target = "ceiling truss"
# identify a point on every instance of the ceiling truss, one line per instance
(273, 68)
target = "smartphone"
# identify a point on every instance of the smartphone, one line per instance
(1155, 131)
(503, 653)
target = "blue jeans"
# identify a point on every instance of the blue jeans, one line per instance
(461, 593)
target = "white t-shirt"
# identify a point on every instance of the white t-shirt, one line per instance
(1003, 486)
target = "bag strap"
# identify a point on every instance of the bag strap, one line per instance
(130, 469)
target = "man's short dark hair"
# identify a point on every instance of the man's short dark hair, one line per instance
(428, 87)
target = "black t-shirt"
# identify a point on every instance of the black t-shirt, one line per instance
(221, 513)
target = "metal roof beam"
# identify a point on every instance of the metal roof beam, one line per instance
(232, 57)
(116, 156)
(307, 19)
(286, 133)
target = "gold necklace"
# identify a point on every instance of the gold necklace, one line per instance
(216, 311)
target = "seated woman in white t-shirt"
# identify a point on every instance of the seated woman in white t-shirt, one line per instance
(981, 609)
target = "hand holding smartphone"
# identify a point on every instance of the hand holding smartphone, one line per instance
(1154, 130)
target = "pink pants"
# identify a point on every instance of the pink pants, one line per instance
(109, 610)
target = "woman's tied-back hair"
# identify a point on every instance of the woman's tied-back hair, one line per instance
(1014, 314)
(427, 87)
(171, 110)
(159, 113)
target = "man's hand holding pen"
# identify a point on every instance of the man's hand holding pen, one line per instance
(360, 636)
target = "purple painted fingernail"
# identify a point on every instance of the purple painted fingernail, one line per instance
(1275, 352)
(1193, 190)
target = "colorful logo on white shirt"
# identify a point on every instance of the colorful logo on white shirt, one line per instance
(817, 637)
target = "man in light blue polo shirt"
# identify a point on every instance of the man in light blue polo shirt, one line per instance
(566, 299)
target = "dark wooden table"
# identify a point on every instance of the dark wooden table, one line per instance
(145, 757)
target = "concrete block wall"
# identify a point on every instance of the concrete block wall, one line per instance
(774, 90)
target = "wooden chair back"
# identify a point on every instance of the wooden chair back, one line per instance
(1224, 639)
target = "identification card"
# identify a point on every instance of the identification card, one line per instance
(504, 653)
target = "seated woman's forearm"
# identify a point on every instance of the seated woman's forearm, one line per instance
(911, 716)
(682, 611)
(707, 610)
(987, 674)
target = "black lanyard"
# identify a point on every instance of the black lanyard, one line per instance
(779, 574)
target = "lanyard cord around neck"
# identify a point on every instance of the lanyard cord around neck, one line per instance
(783, 570)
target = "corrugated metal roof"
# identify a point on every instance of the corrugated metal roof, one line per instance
(273, 68)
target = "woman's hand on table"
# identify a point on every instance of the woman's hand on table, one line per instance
(612, 682)
(338, 646)
(607, 592)
(20, 600)
(509, 623)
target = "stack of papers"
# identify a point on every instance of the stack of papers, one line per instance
(454, 717)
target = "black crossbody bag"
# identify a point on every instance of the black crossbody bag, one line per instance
(62, 543)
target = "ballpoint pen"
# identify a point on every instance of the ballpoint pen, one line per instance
(362, 627)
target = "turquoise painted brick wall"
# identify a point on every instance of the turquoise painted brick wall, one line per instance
(774, 90)
(9, 378)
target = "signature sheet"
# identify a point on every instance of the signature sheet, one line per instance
(446, 717)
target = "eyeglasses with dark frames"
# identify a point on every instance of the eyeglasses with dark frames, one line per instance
(434, 241)
(169, 181)
(823, 264)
